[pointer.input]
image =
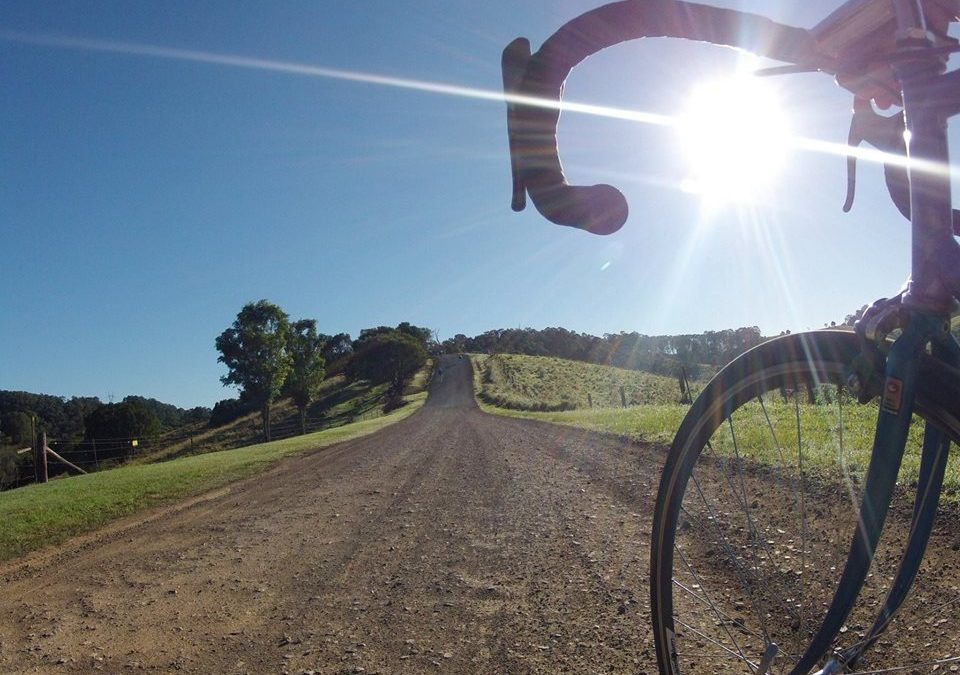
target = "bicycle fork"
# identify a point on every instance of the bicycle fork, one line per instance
(896, 409)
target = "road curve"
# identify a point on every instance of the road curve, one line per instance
(453, 541)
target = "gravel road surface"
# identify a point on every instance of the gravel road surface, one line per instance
(453, 541)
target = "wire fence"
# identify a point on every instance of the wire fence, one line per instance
(97, 454)
(88, 454)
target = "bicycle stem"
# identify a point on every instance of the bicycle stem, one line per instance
(931, 295)
(934, 284)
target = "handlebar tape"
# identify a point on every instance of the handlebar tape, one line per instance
(532, 127)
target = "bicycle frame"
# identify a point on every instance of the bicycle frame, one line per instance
(929, 300)
(929, 96)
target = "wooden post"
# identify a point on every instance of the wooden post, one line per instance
(40, 458)
(590, 399)
(623, 397)
(686, 396)
(68, 463)
(96, 463)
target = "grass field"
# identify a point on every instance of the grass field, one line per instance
(540, 383)
(508, 385)
(40, 515)
(555, 390)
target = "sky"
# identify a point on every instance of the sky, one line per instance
(162, 164)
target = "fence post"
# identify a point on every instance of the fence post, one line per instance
(40, 458)
(623, 397)
(589, 399)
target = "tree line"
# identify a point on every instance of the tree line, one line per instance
(268, 356)
(23, 414)
(80, 421)
(661, 354)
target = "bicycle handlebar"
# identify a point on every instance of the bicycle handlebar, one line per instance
(534, 87)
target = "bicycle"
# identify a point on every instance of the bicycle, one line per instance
(738, 582)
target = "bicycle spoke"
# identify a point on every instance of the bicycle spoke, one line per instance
(712, 605)
(745, 580)
(706, 637)
(767, 503)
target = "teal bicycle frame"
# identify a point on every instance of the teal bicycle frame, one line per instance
(929, 99)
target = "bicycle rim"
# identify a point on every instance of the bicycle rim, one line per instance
(757, 505)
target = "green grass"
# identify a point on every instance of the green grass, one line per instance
(39, 515)
(555, 390)
(820, 441)
(657, 422)
(540, 383)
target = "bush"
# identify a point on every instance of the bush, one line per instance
(8, 467)
(387, 357)
(393, 400)
(130, 419)
(228, 410)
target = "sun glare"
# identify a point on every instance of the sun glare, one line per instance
(734, 136)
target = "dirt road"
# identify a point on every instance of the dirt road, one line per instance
(453, 541)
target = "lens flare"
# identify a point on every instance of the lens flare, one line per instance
(735, 138)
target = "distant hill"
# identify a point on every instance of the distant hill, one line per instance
(339, 402)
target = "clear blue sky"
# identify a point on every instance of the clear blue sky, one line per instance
(144, 200)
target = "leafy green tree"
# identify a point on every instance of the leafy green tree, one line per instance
(130, 419)
(337, 347)
(423, 335)
(305, 346)
(254, 350)
(336, 352)
(8, 467)
(391, 357)
(370, 333)
(228, 410)
(17, 427)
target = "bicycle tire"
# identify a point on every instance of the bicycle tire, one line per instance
(718, 503)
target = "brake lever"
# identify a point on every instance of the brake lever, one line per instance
(886, 135)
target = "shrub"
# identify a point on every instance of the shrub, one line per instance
(228, 410)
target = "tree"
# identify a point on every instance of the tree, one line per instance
(308, 366)
(18, 427)
(423, 335)
(388, 357)
(254, 350)
(851, 319)
(130, 419)
(8, 467)
(228, 410)
(336, 350)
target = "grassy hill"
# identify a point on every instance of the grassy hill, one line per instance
(555, 390)
(340, 402)
(540, 383)
(581, 394)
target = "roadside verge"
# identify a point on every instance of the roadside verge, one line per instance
(36, 516)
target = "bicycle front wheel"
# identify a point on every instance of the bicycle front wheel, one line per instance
(757, 505)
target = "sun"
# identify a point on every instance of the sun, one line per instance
(734, 135)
